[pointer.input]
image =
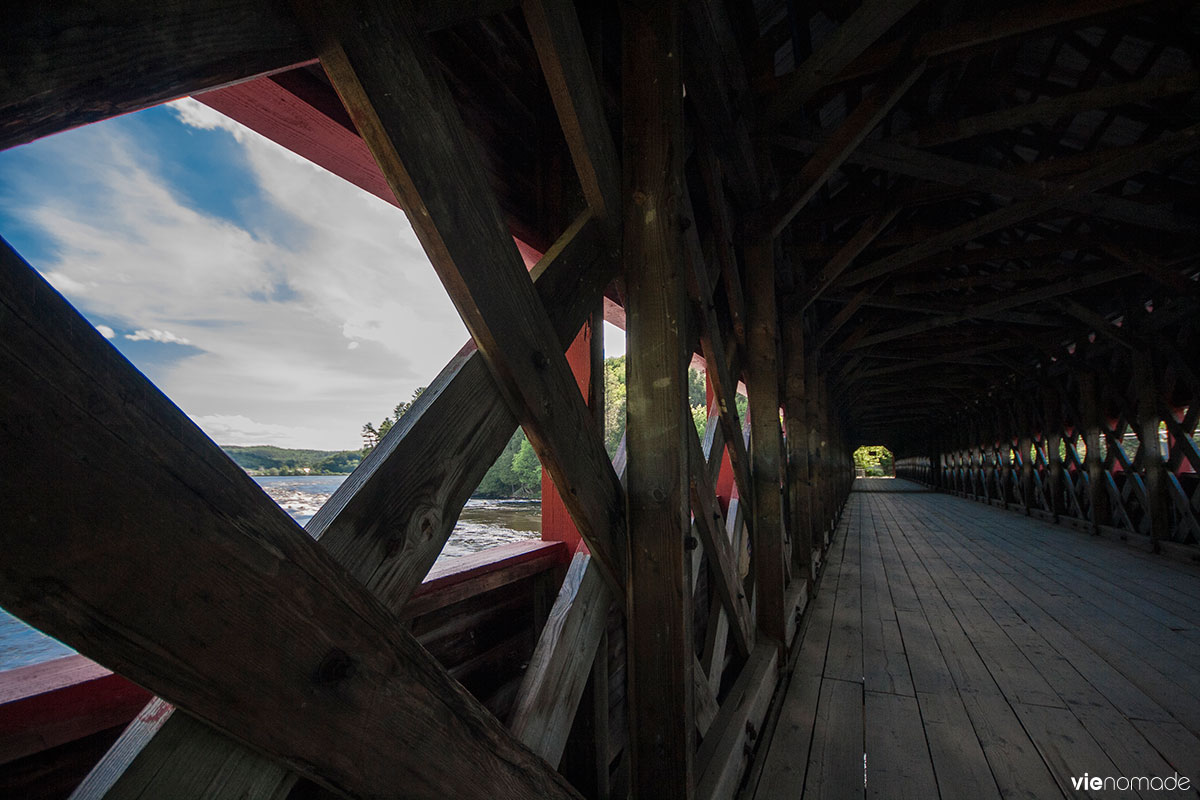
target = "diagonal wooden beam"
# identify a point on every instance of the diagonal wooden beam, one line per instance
(833, 152)
(710, 523)
(870, 21)
(1169, 145)
(558, 670)
(560, 47)
(279, 647)
(400, 103)
(461, 422)
(845, 255)
(1051, 109)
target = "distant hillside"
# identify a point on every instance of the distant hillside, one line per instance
(267, 460)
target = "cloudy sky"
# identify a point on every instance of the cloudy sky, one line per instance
(272, 301)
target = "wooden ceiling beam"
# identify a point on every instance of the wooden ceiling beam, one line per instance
(833, 151)
(871, 20)
(990, 32)
(1131, 162)
(1051, 109)
(1075, 284)
(900, 159)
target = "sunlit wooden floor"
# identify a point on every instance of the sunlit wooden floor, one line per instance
(962, 651)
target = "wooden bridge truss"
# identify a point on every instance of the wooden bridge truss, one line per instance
(967, 234)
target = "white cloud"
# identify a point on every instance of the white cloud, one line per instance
(306, 326)
(106, 332)
(153, 335)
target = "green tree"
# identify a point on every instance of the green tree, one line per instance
(371, 435)
(527, 469)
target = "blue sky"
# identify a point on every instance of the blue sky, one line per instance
(272, 301)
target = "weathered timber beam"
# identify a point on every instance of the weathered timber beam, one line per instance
(1166, 273)
(723, 232)
(941, 284)
(901, 159)
(1169, 145)
(562, 660)
(852, 307)
(1014, 301)
(400, 103)
(67, 64)
(834, 151)
(171, 567)
(762, 381)
(560, 47)
(459, 422)
(1051, 109)
(870, 20)
(659, 616)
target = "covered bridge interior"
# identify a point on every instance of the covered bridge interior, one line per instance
(965, 231)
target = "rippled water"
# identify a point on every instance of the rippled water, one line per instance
(482, 524)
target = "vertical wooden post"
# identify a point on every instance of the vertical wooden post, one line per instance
(762, 381)
(1148, 420)
(1089, 409)
(796, 416)
(659, 638)
(1052, 434)
(816, 470)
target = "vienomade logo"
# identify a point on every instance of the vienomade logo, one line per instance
(1171, 783)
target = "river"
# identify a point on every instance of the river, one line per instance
(482, 524)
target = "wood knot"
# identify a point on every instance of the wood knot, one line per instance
(539, 359)
(336, 667)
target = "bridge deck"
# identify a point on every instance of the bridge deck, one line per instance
(961, 651)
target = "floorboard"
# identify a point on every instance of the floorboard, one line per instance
(957, 650)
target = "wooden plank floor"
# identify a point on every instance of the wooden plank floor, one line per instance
(956, 650)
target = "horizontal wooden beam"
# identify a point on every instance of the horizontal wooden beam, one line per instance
(171, 567)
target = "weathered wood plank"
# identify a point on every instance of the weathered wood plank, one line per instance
(659, 629)
(247, 579)
(897, 761)
(430, 165)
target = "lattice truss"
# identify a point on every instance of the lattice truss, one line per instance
(898, 222)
